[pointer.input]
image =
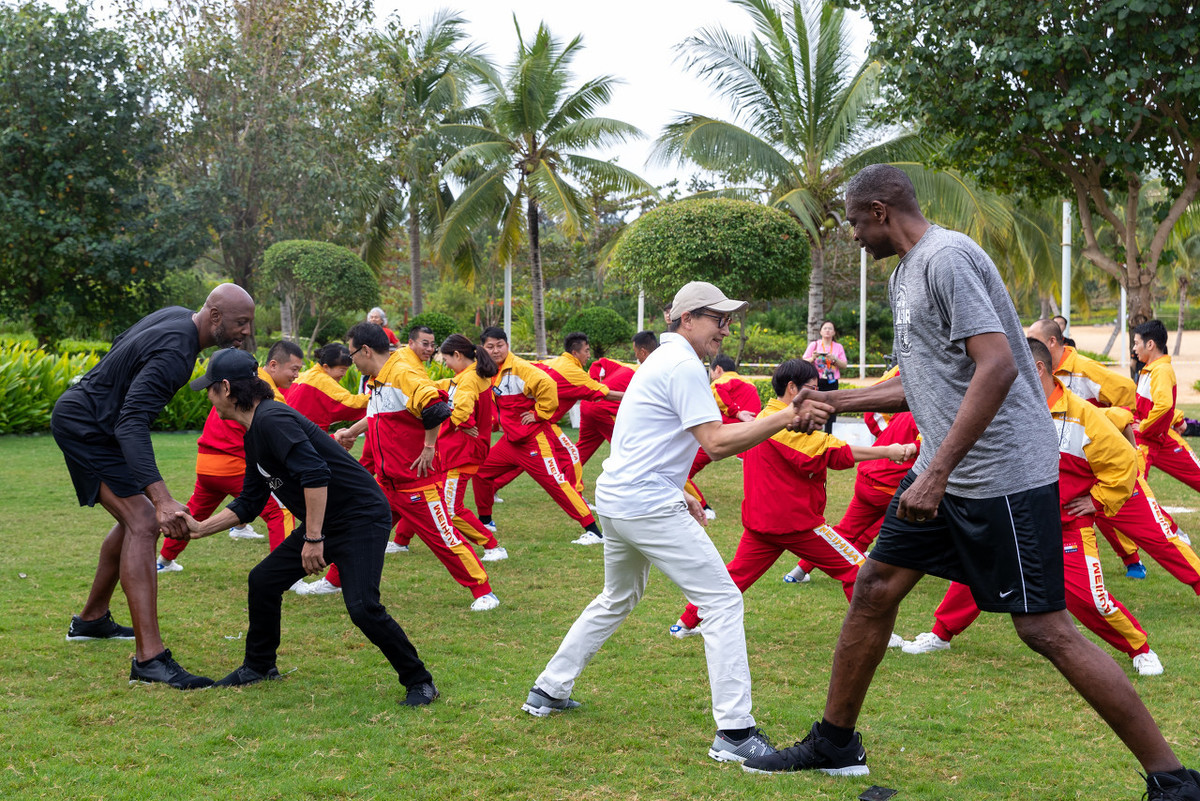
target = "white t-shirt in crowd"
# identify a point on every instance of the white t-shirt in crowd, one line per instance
(652, 449)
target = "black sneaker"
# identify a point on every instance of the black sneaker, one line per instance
(1167, 787)
(421, 694)
(163, 668)
(815, 752)
(104, 628)
(244, 676)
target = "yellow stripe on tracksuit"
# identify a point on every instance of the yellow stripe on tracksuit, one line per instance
(437, 512)
(546, 452)
(1115, 618)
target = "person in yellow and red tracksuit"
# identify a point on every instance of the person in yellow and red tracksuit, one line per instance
(526, 400)
(221, 463)
(1098, 385)
(597, 418)
(317, 394)
(784, 504)
(738, 401)
(572, 384)
(404, 416)
(1155, 411)
(1143, 523)
(466, 436)
(415, 355)
(1097, 469)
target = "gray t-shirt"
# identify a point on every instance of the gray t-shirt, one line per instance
(943, 291)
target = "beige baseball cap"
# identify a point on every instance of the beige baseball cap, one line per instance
(703, 295)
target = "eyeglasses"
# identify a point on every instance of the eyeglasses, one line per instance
(356, 350)
(722, 319)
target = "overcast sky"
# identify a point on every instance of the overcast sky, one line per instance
(633, 40)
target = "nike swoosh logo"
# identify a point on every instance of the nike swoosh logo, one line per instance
(1006, 594)
(862, 755)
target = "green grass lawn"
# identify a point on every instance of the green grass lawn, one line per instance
(985, 720)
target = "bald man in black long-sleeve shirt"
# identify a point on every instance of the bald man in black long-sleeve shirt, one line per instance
(102, 425)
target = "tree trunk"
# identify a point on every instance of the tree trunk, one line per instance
(1183, 293)
(535, 279)
(287, 317)
(816, 289)
(414, 254)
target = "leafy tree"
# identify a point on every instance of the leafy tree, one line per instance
(807, 117)
(443, 325)
(538, 125)
(603, 326)
(263, 98)
(88, 231)
(748, 250)
(422, 79)
(329, 279)
(1096, 96)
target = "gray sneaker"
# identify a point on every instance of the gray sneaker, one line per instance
(540, 704)
(755, 744)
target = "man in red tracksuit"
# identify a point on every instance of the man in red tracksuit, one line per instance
(1155, 410)
(784, 505)
(526, 400)
(738, 401)
(596, 418)
(1097, 473)
(404, 416)
(221, 461)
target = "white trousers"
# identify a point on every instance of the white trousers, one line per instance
(676, 544)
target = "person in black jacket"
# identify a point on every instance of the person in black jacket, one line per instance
(102, 425)
(344, 516)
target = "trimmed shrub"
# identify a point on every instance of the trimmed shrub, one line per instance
(31, 381)
(443, 325)
(603, 326)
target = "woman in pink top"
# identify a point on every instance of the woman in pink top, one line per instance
(830, 359)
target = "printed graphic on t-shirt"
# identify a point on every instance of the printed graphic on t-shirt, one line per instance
(902, 317)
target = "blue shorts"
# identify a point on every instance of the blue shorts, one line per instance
(1008, 549)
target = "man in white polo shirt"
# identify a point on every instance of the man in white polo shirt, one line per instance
(648, 519)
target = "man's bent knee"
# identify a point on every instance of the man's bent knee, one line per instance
(1046, 633)
(880, 587)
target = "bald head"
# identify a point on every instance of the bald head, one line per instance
(227, 317)
(1049, 334)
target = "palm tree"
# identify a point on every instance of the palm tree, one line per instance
(528, 155)
(807, 129)
(1184, 268)
(424, 80)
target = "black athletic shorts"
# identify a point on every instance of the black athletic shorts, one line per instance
(1008, 549)
(91, 459)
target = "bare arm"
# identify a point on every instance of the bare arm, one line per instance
(721, 440)
(346, 436)
(813, 408)
(896, 452)
(219, 522)
(995, 372)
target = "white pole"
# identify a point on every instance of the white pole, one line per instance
(508, 300)
(1066, 266)
(862, 313)
(641, 309)
(1123, 336)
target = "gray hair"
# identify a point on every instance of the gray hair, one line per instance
(382, 314)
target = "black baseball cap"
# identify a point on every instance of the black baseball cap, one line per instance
(228, 364)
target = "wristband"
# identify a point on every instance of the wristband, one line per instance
(314, 542)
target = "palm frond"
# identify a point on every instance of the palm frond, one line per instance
(608, 175)
(478, 203)
(721, 146)
(591, 132)
(559, 199)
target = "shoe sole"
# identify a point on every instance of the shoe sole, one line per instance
(725, 756)
(82, 638)
(853, 770)
(132, 682)
(543, 711)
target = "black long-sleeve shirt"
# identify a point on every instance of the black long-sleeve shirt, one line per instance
(287, 453)
(118, 399)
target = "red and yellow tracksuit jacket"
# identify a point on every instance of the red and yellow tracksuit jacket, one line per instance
(572, 383)
(735, 394)
(614, 375)
(410, 359)
(1155, 409)
(1093, 381)
(878, 421)
(324, 401)
(474, 407)
(883, 474)
(265, 376)
(398, 396)
(520, 387)
(784, 478)
(1093, 456)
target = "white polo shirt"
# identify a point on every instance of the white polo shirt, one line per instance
(652, 449)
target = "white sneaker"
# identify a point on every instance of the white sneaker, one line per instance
(485, 602)
(494, 554)
(321, 587)
(588, 538)
(497, 499)
(796, 576)
(679, 631)
(926, 643)
(896, 641)
(300, 587)
(168, 565)
(245, 532)
(1148, 664)
(490, 526)
(392, 547)
(710, 513)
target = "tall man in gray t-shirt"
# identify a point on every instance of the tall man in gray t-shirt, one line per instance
(981, 504)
